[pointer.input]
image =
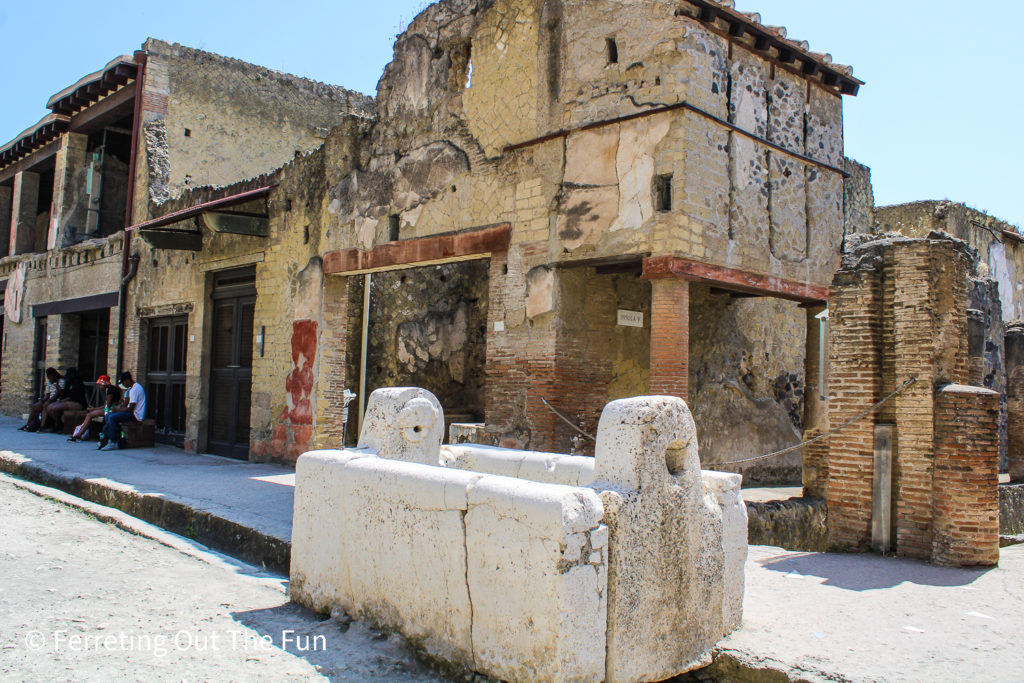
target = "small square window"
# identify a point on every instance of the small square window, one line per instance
(613, 50)
(188, 132)
(663, 192)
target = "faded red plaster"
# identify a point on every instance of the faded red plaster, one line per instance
(294, 430)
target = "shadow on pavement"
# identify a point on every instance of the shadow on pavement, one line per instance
(341, 651)
(861, 572)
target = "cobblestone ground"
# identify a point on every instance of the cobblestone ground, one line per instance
(86, 601)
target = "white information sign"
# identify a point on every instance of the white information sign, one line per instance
(631, 318)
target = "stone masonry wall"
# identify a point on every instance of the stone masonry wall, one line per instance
(205, 120)
(88, 268)
(436, 158)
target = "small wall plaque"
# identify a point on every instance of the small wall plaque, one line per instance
(631, 318)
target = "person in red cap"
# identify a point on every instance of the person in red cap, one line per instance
(112, 402)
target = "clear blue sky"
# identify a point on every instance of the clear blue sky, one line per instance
(934, 121)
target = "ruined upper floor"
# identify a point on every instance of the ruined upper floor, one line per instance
(146, 126)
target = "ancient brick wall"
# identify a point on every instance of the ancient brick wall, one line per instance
(899, 324)
(998, 244)
(855, 360)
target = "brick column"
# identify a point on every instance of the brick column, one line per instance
(930, 334)
(5, 220)
(331, 376)
(966, 498)
(670, 337)
(815, 466)
(855, 361)
(69, 199)
(24, 208)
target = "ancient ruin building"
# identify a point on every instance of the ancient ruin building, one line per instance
(138, 131)
(560, 202)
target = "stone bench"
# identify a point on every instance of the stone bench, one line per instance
(136, 434)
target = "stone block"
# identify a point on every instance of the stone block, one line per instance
(538, 601)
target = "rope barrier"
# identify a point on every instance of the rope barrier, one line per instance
(826, 434)
(783, 451)
(567, 420)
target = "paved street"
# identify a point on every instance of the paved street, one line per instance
(254, 495)
(86, 601)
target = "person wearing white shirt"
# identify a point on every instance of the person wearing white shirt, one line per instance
(133, 410)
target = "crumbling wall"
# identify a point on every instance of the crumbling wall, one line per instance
(999, 245)
(428, 328)
(747, 383)
(291, 310)
(470, 79)
(206, 118)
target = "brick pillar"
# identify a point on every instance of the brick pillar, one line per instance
(1015, 400)
(69, 199)
(930, 333)
(24, 208)
(815, 456)
(520, 365)
(331, 371)
(670, 337)
(855, 359)
(5, 220)
(966, 499)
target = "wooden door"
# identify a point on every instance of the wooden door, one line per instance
(234, 306)
(167, 376)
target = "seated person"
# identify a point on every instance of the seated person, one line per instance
(135, 411)
(113, 400)
(54, 385)
(71, 398)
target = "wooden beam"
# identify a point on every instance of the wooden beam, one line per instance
(732, 279)
(457, 246)
(90, 118)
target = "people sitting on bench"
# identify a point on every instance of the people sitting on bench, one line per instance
(71, 398)
(135, 411)
(55, 384)
(113, 401)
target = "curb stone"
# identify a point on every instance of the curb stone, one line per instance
(213, 531)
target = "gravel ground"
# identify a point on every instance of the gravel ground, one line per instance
(83, 600)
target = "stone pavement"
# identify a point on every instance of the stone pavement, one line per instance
(807, 616)
(206, 497)
(84, 601)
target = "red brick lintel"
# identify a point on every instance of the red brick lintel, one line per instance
(421, 251)
(656, 267)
